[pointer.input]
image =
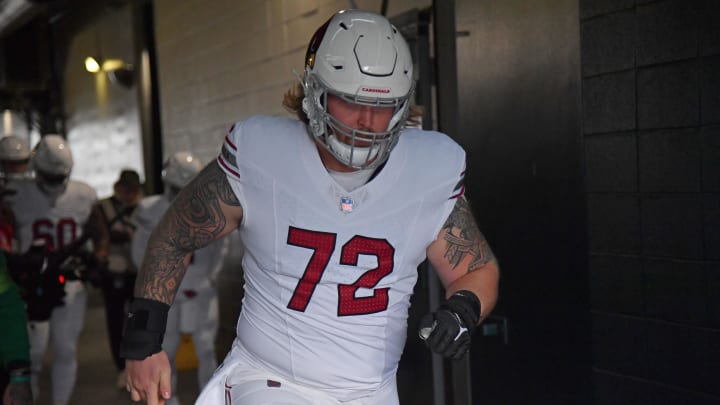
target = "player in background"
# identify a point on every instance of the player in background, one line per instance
(118, 282)
(15, 385)
(14, 345)
(14, 165)
(52, 213)
(14, 158)
(195, 310)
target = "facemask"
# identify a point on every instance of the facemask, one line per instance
(52, 190)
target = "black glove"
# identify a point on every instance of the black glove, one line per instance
(447, 331)
(42, 284)
(48, 293)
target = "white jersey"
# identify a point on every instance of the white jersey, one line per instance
(205, 262)
(59, 222)
(329, 273)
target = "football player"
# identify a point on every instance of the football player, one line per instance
(14, 157)
(53, 211)
(14, 165)
(336, 211)
(14, 345)
(195, 309)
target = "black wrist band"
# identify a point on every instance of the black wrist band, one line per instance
(144, 329)
(467, 305)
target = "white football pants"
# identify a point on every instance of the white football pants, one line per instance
(63, 331)
(238, 383)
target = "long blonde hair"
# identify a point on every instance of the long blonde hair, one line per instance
(292, 101)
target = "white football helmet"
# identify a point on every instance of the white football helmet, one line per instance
(363, 59)
(14, 149)
(53, 162)
(178, 170)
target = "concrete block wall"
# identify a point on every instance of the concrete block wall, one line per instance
(651, 92)
(221, 61)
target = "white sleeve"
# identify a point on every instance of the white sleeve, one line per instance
(227, 158)
(455, 190)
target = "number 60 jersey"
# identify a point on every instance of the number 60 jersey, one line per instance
(59, 221)
(329, 273)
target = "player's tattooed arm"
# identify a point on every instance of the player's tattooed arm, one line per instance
(463, 237)
(203, 211)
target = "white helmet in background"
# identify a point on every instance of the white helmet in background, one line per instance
(178, 170)
(53, 163)
(14, 149)
(363, 59)
(14, 157)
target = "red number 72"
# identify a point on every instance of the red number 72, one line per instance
(323, 246)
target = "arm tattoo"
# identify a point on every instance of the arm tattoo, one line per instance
(194, 219)
(463, 238)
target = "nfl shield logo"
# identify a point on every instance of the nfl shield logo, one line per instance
(346, 204)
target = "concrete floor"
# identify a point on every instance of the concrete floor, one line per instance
(96, 371)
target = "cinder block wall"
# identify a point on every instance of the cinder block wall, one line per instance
(220, 61)
(224, 60)
(651, 103)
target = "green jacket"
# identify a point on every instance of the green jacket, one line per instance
(14, 343)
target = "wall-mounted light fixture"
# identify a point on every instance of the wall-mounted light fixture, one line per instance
(124, 76)
(108, 65)
(91, 65)
(116, 70)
